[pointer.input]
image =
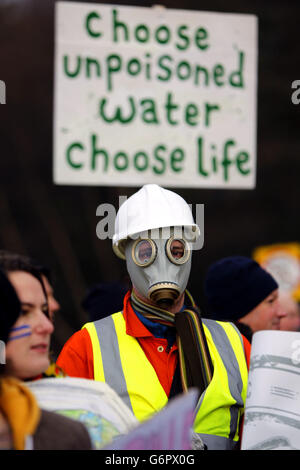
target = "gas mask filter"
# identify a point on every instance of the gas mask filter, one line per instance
(159, 267)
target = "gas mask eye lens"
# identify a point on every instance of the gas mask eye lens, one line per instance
(144, 252)
(177, 251)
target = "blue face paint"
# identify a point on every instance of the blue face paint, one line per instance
(25, 328)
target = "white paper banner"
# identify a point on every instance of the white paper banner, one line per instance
(272, 413)
(93, 403)
(154, 95)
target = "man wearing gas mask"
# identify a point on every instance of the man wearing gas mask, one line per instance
(159, 345)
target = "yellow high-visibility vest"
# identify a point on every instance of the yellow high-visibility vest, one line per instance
(120, 361)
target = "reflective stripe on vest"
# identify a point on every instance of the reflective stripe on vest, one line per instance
(222, 403)
(120, 361)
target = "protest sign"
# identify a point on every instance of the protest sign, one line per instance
(95, 404)
(272, 412)
(154, 95)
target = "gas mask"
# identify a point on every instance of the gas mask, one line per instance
(159, 267)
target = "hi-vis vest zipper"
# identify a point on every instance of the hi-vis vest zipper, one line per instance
(120, 361)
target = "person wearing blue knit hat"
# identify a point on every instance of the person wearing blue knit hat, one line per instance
(239, 290)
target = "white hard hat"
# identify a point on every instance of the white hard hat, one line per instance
(151, 207)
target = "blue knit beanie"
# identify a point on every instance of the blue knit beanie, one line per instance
(236, 285)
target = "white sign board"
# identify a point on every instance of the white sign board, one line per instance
(272, 412)
(154, 95)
